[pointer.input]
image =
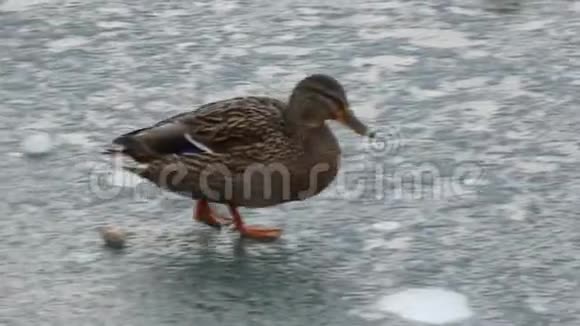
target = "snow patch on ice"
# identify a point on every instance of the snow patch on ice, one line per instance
(434, 306)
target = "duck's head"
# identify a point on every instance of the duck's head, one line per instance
(318, 98)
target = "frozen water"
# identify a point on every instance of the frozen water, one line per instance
(20, 5)
(456, 81)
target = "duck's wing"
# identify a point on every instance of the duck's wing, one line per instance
(216, 127)
(204, 153)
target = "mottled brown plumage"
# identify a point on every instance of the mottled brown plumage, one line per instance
(247, 151)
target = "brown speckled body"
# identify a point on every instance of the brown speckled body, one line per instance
(255, 159)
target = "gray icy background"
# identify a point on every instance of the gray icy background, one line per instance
(481, 95)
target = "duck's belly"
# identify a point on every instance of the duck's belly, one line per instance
(261, 185)
(276, 184)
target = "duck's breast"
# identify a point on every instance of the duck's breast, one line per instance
(322, 160)
(302, 175)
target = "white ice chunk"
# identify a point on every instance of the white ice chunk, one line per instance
(434, 306)
(37, 144)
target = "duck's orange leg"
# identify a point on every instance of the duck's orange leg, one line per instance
(204, 214)
(253, 232)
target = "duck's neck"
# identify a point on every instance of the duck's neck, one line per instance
(316, 142)
(291, 117)
(321, 141)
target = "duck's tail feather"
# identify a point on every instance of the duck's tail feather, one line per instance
(138, 169)
(128, 159)
(130, 146)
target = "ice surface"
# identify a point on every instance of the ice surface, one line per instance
(19, 5)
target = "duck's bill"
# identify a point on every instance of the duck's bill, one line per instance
(352, 122)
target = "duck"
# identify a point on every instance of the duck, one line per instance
(246, 152)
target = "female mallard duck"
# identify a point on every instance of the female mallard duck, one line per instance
(246, 151)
